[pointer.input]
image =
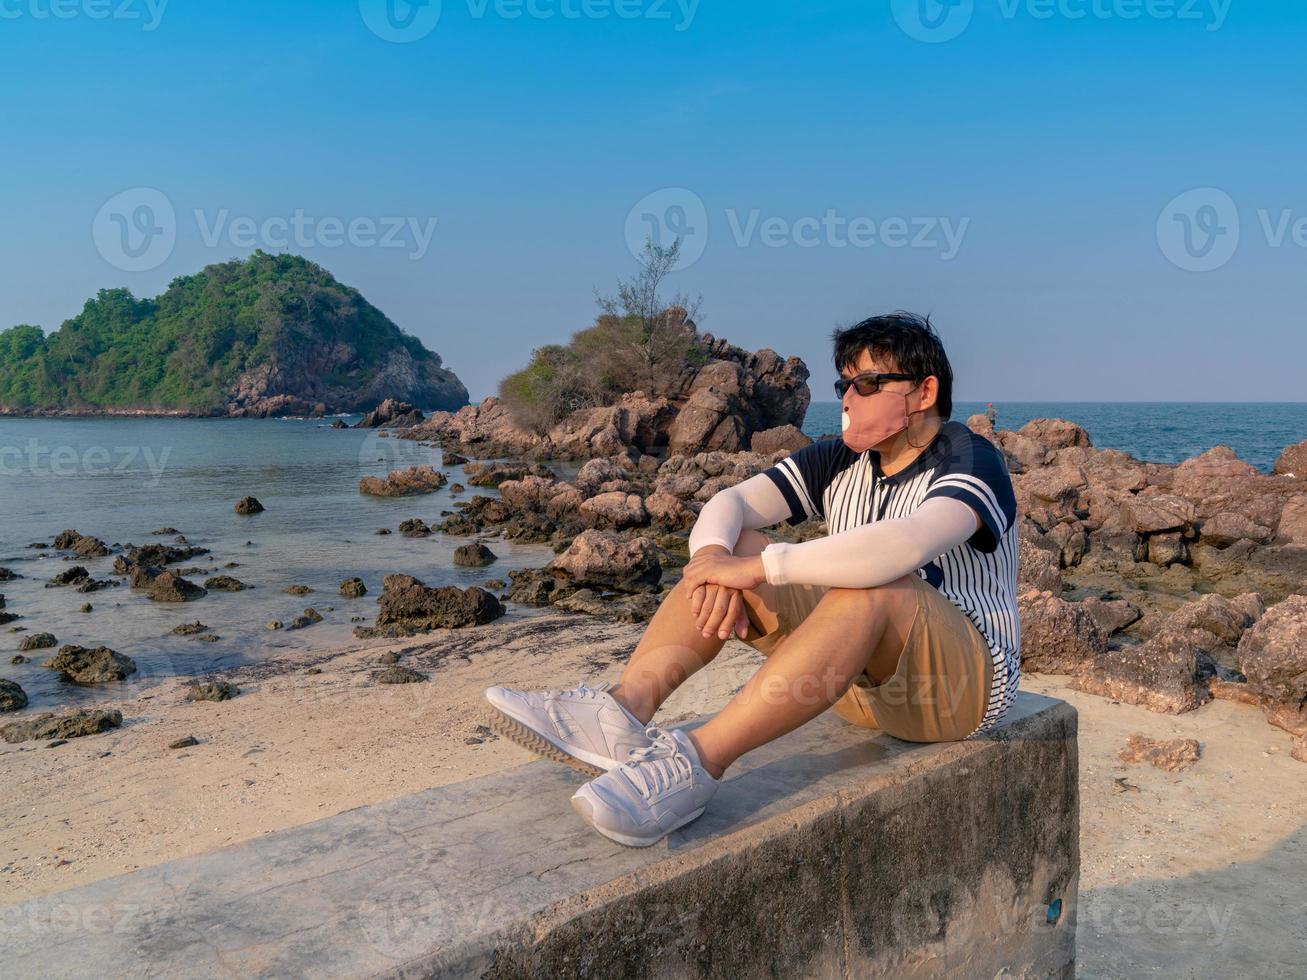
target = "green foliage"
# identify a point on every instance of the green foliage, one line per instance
(638, 343)
(183, 349)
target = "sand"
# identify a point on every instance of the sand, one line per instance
(1200, 873)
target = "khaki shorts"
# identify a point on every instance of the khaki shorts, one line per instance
(940, 689)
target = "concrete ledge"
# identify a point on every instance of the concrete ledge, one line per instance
(827, 854)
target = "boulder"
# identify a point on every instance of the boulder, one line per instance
(37, 641)
(225, 583)
(781, 438)
(1057, 637)
(165, 586)
(1160, 674)
(1293, 460)
(391, 413)
(1037, 568)
(606, 560)
(530, 493)
(418, 607)
(1054, 434)
(353, 588)
(249, 505)
(12, 696)
(211, 690)
(81, 544)
(1155, 513)
(85, 666)
(637, 421)
(414, 527)
(74, 725)
(1273, 654)
(404, 483)
(154, 555)
(399, 675)
(1292, 527)
(1226, 527)
(615, 510)
(669, 512)
(474, 555)
(1111, 615)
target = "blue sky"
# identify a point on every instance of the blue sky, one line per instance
(1059, 184)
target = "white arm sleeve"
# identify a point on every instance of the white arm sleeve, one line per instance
(873, 554)
(754, 503)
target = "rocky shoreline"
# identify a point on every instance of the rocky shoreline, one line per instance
(1160, 585)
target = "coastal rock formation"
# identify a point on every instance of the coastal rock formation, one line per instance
(1273, 654)
(730, 398)
(81, 544)
(410, 605)
(353, 588)
(154, 556)
(1057, 637)
(12, 696)
(1160, 674)
(249, 505)
(391, 414)
(474, 555)
(85, 666)
(38, 641)
(404, 483)
(1293, 461)
(211, 690)
(224, 583)
(73, 725)
(603, 559)
(165, 586)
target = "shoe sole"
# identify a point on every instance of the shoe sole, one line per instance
(518, 733)
(582, 807)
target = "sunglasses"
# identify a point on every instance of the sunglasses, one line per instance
(868, 383)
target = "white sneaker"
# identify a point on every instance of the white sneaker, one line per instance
(658, 789)
(584, 728)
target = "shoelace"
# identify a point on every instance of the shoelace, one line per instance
(582, 690)
(658, 765)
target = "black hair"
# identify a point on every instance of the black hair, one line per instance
(909, 341)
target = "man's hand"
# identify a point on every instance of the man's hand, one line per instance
(715, 579)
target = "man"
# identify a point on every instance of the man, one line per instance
(903, 618)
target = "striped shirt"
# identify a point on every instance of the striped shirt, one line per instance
(829, 481)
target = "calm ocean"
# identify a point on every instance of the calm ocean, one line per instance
(120, 479)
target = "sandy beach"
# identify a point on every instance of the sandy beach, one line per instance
(1181, 871)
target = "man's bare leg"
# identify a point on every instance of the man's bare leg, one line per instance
(850, 631)
(672, 647)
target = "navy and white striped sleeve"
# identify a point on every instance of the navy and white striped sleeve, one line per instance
(976, 474)
(802, 477)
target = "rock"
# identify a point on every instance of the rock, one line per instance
(1156, 513)
(1037, 568)
(414, 527)
(399, 675)
(18, 658)
(614, 510)
(1057, 637)
(37, 641)
(353, 588)
(1298, 750)
(1293, 460)
(1292, 528)
(493, 474)
(1160, 674)
(165, 586)
(1169, 548)
(452, 459)
(474, 555)
(382, 530)
(624, 608)
(70, 576)
(709, 418)
(85, 607)
(387, 658)
(74, 725)
(1173, 754)
(417, 607)
(338, 424)
(455, 488)
(225, 583)
(1226, 527)
(669, 512)
(298, 589)
(404, 483)
(274, 624)
(981, 425)
(307, 618)
(1273, 653)
(1111, 615)
(12, 696)
(530, 493)
(249, 505)
(153, 556)
(212, 690)
(782, 438)
(8, 574)
(391, 413)
(602, 558)
(1055, 434)
(85, 666)
(637, 421)
(185, 742)
(82, 544)
(538, 587)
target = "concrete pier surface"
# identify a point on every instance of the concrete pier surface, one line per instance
(829, 853)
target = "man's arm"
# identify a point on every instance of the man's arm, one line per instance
(754, 503)
(873, 554)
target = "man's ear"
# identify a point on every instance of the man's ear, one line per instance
(928, 392)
